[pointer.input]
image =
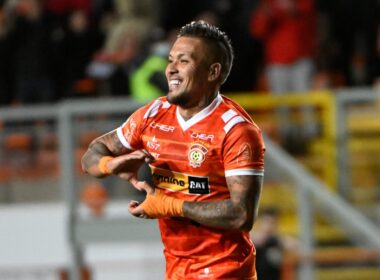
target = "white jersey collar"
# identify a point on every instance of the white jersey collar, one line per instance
(200, 115)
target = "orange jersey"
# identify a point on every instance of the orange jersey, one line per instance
(193, 159)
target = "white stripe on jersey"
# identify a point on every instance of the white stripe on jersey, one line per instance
(121, 137)
(241, 172)
(166, 105)
(153, 109)
(228, 115)
(233, 122)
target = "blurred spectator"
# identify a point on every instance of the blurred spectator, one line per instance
(133, 26)
(39, 51)
(234, 18)
(270, 245)
(287, 29)
(110, 65)
(5, 60)
(80, 44)
(170, 17)
(101, 8)
(328, 75)
(353, 33)
(64, 7)
(376, 82)
(147, 74)
(32, 46)
(326, 78)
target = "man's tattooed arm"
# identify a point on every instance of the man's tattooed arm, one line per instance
(238, 212)
(105, 145)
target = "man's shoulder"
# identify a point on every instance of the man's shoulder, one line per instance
(234, 115)
(231, 104)
(155, 107)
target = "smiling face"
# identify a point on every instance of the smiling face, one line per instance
(189, 72)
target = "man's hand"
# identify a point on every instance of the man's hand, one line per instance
(156, 204)
(126, 166)
(134, 207)
(106, 155)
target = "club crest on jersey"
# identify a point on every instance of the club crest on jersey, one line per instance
(197, 154)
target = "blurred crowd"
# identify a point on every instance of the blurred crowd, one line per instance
(56, 49)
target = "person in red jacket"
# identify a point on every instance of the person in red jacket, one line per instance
(287, 29)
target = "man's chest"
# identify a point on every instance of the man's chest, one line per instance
(197, 147)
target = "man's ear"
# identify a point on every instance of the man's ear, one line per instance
(215, 71)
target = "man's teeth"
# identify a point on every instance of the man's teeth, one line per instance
(174, 82)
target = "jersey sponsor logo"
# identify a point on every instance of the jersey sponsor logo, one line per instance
(163, 127)
(153, 144)
(197, 154)
(175, 181)
(202, 136)
(198, 185)
(244, 154)
(171, 180)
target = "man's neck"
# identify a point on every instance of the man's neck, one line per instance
(188, 113)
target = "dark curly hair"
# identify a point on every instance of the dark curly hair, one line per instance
(219, 40)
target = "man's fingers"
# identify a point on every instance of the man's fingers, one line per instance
(135, 209)
(128, 165)
(142, 185)
(130, 162)
(149, 157)
(133, 204)
(135, 183)
(138, 184)
(138, 155)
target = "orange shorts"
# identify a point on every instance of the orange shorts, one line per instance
(210, 268)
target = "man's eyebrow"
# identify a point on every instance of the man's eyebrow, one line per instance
(179, 55)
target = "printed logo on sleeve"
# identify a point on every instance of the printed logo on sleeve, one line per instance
(198, 185)
(128, 134)
(130, 129)
(244, 154)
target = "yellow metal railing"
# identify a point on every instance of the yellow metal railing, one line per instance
(335, 264)
(323, 100)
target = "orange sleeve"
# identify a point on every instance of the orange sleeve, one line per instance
(243, 151)
(129, 131)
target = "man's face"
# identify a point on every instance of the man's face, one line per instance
(187, 71)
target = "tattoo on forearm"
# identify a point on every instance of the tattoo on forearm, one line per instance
(236, 212)
(108, 144)
(217, 213)
(91, 157)
(115, 145)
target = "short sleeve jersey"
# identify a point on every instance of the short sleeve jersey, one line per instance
(193, 159)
